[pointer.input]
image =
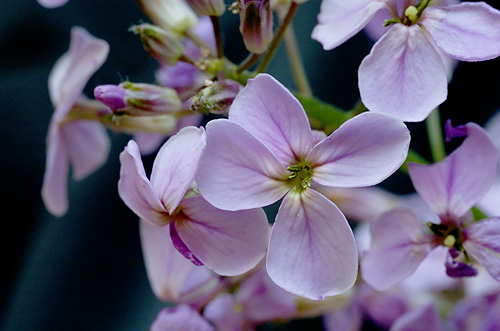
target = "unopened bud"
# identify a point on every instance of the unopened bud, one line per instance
(216, 97)
(208, 7)
(256, 24)
(164, 45)
(138, 99)
(170, 14)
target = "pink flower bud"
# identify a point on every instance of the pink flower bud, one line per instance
(164, 45)
(256, 24)
(138, 99)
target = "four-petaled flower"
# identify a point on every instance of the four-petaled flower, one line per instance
(266, 150)
(229, 243)
(404, 74)
(450, 189)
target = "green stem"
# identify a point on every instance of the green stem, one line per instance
(273, 46)
(218, 36)
(296, 63)
(435, 135)
(248, 62)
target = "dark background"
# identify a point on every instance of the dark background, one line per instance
(85, 270)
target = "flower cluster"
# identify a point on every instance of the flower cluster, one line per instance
(262, 202)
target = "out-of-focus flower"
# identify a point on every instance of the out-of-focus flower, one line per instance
(423, 318)
(450, 189)
(404, 74)
(174, 15)
(257, 300)
(265, 151)
(182, 317)
(208, 7)
(229, 243)
(83, 144)
(163, 44)
(52, 3)
(256, 24)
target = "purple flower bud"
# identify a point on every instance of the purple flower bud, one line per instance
(216, 97)
(208, 7)
(110, 95)
(164, 45)
(256, 24)
(138, 99)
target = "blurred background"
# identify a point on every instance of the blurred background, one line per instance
(85, 270)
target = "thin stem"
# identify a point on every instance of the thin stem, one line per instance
(218, 36)
(296, 63)
(248, 62)
(435, 135)
(273, 46)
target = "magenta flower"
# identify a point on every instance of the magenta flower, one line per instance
(229, 243)
(450, 189)
(82, 143)
(265, 151)
(404, 74)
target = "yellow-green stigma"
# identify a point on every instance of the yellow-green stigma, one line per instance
(300, 176)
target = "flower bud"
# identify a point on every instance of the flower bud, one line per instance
(256, 24)
(138, 99)
(216, 97)
(164, 45)
(208, 7)
(170, 14)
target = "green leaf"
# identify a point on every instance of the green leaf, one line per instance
(323, 116)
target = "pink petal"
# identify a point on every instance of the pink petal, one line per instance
(271, 113)
(453, 186)
(224, 313)
(55, 178)
(176, 165)
(263, 300)
(403, 75)
(238, 171)
(88, 146)
(340, 20)
(135, 189)
(229, 243)
(167, 269)
(483, 243)
(399, 245)
(468, 31)
(182, 317)
(72, 71)
(312, 252)
(364, 151)
(423, 318)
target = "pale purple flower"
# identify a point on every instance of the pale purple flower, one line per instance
(181, 317)
(172, 277)
(257, 300)
(450, 189)
(265, 152)
(423, 318)
(52, 3)
(82, 143)
(475, 313)
(405, 73)
(229, 243)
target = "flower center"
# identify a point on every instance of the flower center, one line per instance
(449, 235)
(411, 15)
(300, 176)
